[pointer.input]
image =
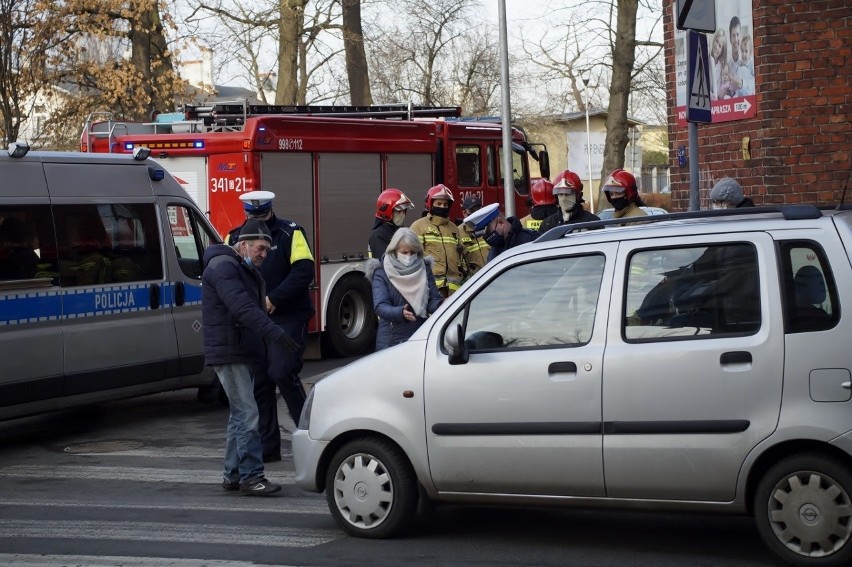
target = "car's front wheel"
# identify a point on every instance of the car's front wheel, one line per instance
(803, 509)
(371, 488)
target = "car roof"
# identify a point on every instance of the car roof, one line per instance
(689, 223)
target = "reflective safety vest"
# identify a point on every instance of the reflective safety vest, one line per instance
(531, 223)
(441, 240)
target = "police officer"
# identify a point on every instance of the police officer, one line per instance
(440, 239)
(543, 204)
(475, 249)
(500, 233)
(391, 207)
(288, 272)
(568, 190)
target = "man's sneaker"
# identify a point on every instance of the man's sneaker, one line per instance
(231, 485)
(259, 487)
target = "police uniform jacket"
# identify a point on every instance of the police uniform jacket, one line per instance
(441, 240)
(556, 219)
(517, 235)
(288, 270)
(233, 314)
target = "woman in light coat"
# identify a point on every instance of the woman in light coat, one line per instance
(404, 290)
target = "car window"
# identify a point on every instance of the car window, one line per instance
(692, 292)
(107, 244)
(190, 239)
(27, 246)
(547, 303)
(811, 298)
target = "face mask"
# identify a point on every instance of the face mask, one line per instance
(567, 202)
(495, 240)
(718, 206)
(248, 261)
(406, 259)
(442, 212)
(620, 203)
(398, 217)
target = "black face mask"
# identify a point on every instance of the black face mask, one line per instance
(442, 212)
(620, 203)
(495, 240)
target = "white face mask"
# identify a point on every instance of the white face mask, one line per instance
(398, 217)
(406, 259)
(567, 201)
(717, 206)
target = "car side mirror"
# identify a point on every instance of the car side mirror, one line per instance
(455, 345)
(544, 164)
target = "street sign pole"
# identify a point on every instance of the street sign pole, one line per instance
(698, 104)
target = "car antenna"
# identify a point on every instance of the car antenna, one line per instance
(845, 187)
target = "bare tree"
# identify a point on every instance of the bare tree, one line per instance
(21, 61)
(356, 56)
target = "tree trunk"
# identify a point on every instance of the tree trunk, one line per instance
(623, 57)
(149, 54)
(291, 14)
(356, 56)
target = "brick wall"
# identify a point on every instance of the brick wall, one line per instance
(801, 136)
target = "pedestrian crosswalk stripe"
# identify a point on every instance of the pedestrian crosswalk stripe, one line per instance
(274, 536)
(132, 474)
(282, 505)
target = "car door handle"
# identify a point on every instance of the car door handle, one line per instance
(560, 367)
(154, 292)
(735, 357)
(847, 385)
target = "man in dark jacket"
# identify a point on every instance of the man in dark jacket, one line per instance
(288, 272)
(235, 325)
(500, 233)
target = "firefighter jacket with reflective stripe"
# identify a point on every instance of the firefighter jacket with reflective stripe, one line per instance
(475, 249)
(288, 270)
(440, 240)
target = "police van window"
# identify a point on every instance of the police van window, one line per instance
(101, 244)
(692, 293)
(468, 166)
(811, 298)
(190, 239)
(27, 247)
(539, 304)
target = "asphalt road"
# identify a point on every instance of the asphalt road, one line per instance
(136, 483)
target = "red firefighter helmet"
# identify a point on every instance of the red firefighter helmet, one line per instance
(391, 199)
(620, 180)
(566, 182)
(439, 191)
(542, 193)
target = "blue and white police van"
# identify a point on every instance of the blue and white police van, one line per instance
(100, 280)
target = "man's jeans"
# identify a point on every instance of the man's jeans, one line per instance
(243, 457)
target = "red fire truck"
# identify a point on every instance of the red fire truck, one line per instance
(326, 165)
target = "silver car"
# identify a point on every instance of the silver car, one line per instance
(694, 364)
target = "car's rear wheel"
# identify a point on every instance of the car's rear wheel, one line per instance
(371, 488)
(803, 509)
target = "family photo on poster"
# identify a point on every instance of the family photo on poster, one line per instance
(731, 62)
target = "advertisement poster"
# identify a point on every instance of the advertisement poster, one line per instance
(732, 85)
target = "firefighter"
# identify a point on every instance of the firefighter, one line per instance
(441, 240)
(390, 215)
(622, 193)
(288, 272)
(475, 250)
(568, 191)
(543, 204)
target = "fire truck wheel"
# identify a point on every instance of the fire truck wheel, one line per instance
(350, 326)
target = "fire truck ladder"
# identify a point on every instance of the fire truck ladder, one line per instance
(232, 115)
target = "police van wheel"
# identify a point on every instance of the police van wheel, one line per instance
(350, 326)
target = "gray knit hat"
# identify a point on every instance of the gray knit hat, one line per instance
(254, 229)
(727, 190)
